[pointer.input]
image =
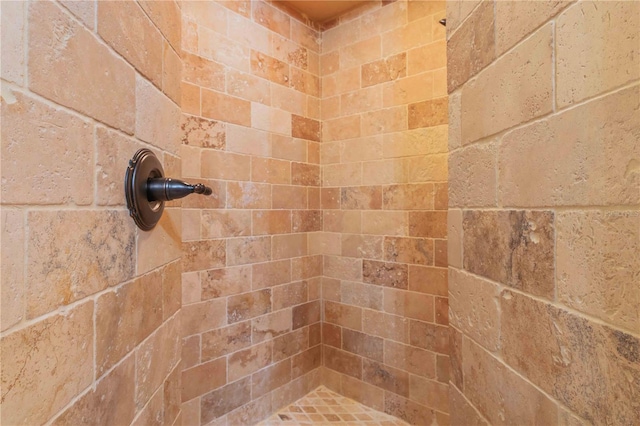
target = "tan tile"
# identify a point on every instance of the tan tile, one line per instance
(224, 282)
(595, 259)
(270, 378)
(251, 413)
(306, 267)
(156, 357)
(502, 390)
(249, 195)
(409, 90)
(474, 181)
(203, 378)
(166, 234)
(269, 68)
(59, 343)
(428, 224)
(111, 401)
(288, 148)
(219, 106)
(363, 246)
(289, 245)
(408, 197)
(12, 288)
(331, 335)
(269, 119)
(475, 42)
(205, 254)
(386, 325)
(483, 312)
(222, 341)
(386, 171)
(494, 111)
(203, 316)
(225, 399)
(525, 238)
(248, 87)
(385, 274)
(270, 326)
(343, 315)
(430, 393)
(409, 358)
(306, 220)
(408, 410)
(362, 344)
(13, 36)
(306, 314)
(431, 337)
(271, 274)
(578, 354)
(579, 171)
(271, 222)
(428, 280)
(157, 117)
(203, 72)
(415, 33)
(409, 250)
(343, 362)
(306, 361)
(462, 412)
(225, 223)
(428, 57)
(408, 304)
(95, 238)
(362, 295)
(248, 305)
(289, 197)
(106, 93)
(197, 131)
(384, 223)
(305, 174)
(250, 360)
(615, 60)
(287, 345)
(190, 355)
(387, 120)
(343, 268)
(46, 155)
(288, 295)
(341, 128)
(388, 378)
(167, 18)
(428, 113)
(420, 141)
(427, 168)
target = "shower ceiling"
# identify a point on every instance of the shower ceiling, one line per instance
(322, 10)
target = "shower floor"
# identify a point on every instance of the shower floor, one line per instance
(325, 407)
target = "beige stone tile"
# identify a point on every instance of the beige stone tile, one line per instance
(409, 358)
(475, 308)
(420, 141)
(343, 362)
(34, 134)
(91, 79)
(203, 72)
(596, 260)
(209, 15)
(112, 401)
(203, 254)
(587, 168)
(288, 148)
(96, 237)
(249, 195)
(472, 47)
(415, 33)
(342, 268)
(270, 274)
(457, 11)
(388, 378)
(190, 411)
(363, 246)
(525, 91)
(324, 243)
(12, 288)
(203, 378)
(429, 224)
(225, 399)
(385, 274)
(167, 17)
(219, 106)
(291, 294)
(577, 361)
(472, 182)
(410, 411)
(361, 198)
(224, 223)
(156, 357)
(341, 128)
(225, 340)
(613, 56)
(359, 101)
(409, 304)
(288, 246)
(307, 220)
(270, 378)
(306, 314)
(409, 250)
(289, 344)
(343, 315)
(360, 52)
(462, 412)
(427, 168)
(13, 36)
(190, 98)
(270, 119)
(431, 337)
(362, 344)
(430, 393)
(190, 354)
(409, 90)
(247, 87)
(224, 50)
(203, 316)
(157, 117)
(306, 267)
(386, 325)
(429, 57)
(125, 27)
(252, 412)
(245, 140)
(250, 360)
(385, 171)
(426, 279)
(430, 113)
(347, 174)
(518, 254)
(384, 223)
(362, 295)
(289, 197)
(306, 361)
(60, 343)
(224, 282)
(248, 305)
(270, 326)
(200, 132)
(408, 197)
(166, 234)
(387, 120)
(305, 174)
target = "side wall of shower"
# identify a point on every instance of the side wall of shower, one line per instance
(90, 305)
(544, 219)
(384, 201)
(250, 129)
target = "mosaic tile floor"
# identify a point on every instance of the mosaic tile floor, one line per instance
(325, 407)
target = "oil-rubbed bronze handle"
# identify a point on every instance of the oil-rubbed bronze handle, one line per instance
(146, 189)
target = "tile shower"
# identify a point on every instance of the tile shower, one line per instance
(441, 225)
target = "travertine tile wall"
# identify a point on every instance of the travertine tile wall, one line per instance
(251, 288)
(544, 219)
(89, 325)
(384, 201)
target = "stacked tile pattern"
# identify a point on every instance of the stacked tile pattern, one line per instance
(250, 129)
(384, 202)
(90, 328)
(544, 219)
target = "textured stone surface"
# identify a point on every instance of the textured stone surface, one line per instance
(524, 92)
(613, 56)
(76, 70)
(474, 182)
(587, 168)
(597, 264)
(60, 343)
(44, 149)
(12, 263)
(514, 248)
(92, 238)
(475, 308)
